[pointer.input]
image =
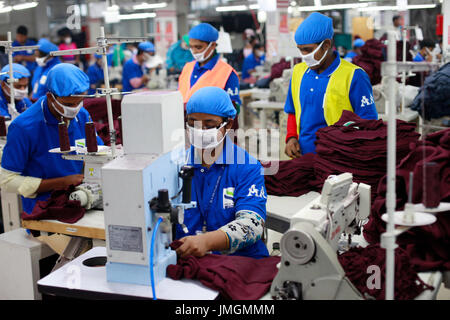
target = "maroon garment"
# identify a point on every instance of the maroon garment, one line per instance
(356, 262)
(57, 207)
(235, 277)
(427, 245)
(98, 111)
(371, 58)
(292, 178)
(277, 69)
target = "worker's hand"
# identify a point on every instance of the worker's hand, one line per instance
(145, 78)
(293, 148)
(75, 179)
(193, 245)
(18, 58)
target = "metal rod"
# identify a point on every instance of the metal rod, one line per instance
(411, 177)
(112, 131)
(404, 72)
(11, 75)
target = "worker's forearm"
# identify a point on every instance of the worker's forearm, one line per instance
(29, 58)
(216, 240)
(51, 184)
(16, 183)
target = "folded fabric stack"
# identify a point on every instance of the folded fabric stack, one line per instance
(356, 263)
(292, 177)
(434, 95)
(235, 277)
(57, 207)
(427, 246)
(358, 146)
(371, 58)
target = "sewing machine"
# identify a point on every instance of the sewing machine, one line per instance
(309, 268)
(279, 87)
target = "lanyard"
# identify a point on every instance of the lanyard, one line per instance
(204, 213)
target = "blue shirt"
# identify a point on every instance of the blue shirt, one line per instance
(30, 136)
(349, 56)
(232, 85)
(312, 91)
(177, 57)
(40, 77)
(131, 70)
(250, 62)
(235, 172)
(21, 105)
(95, 74)
(30, 65)
(418, 58)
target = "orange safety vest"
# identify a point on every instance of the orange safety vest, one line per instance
(216, 77)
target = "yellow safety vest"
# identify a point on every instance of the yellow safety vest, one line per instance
(336, 96)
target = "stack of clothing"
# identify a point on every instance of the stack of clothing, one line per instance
(371, 58)
(57, 207)
(356, 263)
(292, 177)
(427, 246)
(434, 95)
(358, 146)
(235, 277)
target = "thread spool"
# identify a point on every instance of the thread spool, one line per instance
(91, 137)
(2, 126)
(64, 141)
(432, 195)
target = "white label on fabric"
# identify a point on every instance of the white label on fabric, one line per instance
(228, 195)
(43, 79)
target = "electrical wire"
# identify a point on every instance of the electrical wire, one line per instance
(152, 276)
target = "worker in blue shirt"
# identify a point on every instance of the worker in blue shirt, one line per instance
(256, 58)
(228, 184)
(28, 168)
(134, 75)
(178, 55)
(95, 74)
(21, 100)
(322, 86)
(27, 57)
(357, 44)
(45, 63)
(424, 54)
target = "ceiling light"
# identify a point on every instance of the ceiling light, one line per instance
(27, 5)
(5, 9)
(334, 7)
(231, 8)
(137, 16)
(145, 5)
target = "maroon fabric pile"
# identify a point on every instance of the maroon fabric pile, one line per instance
(98, 111)
(57, 207)
(371, 58)
(356, 263)
(277, 69)
(292, 178)
(358, 146)
(235, 277)
(427, 246)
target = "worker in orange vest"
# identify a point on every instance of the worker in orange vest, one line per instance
(207, 70)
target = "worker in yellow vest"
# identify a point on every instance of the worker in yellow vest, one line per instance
(322, 86)
(208, 70)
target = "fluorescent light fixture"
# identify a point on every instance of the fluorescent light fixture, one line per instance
(145, 5)
(231, 8)
(253, 6)
(26, 5)
(5, 9)
(395, 8)
(137, 16)
(334, 7)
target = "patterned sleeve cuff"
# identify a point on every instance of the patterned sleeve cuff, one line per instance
(245, 230)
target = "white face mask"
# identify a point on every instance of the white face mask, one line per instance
(18, 94)
(69, 112)
(200, 57)
(205, 139)
(259, 53)
(309, 58)
(68, 40)
(40, 61)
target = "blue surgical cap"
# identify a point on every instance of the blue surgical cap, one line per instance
(204, 32)
(314, 29)
(66, 79)
(146, 46)
(46, 46)
(97, 56)
(358, 43)
(19, 72)
(211, 100)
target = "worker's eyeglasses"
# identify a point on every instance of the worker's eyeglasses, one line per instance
(206, 126)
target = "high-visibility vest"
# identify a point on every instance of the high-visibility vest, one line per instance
(336, 96)
(216, 77)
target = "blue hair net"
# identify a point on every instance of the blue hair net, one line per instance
(211, 100)
(358, 43)
(66, 79)
(146, 46)
(19, 72)
(46, 46)
(204, 32)
(314, 29)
